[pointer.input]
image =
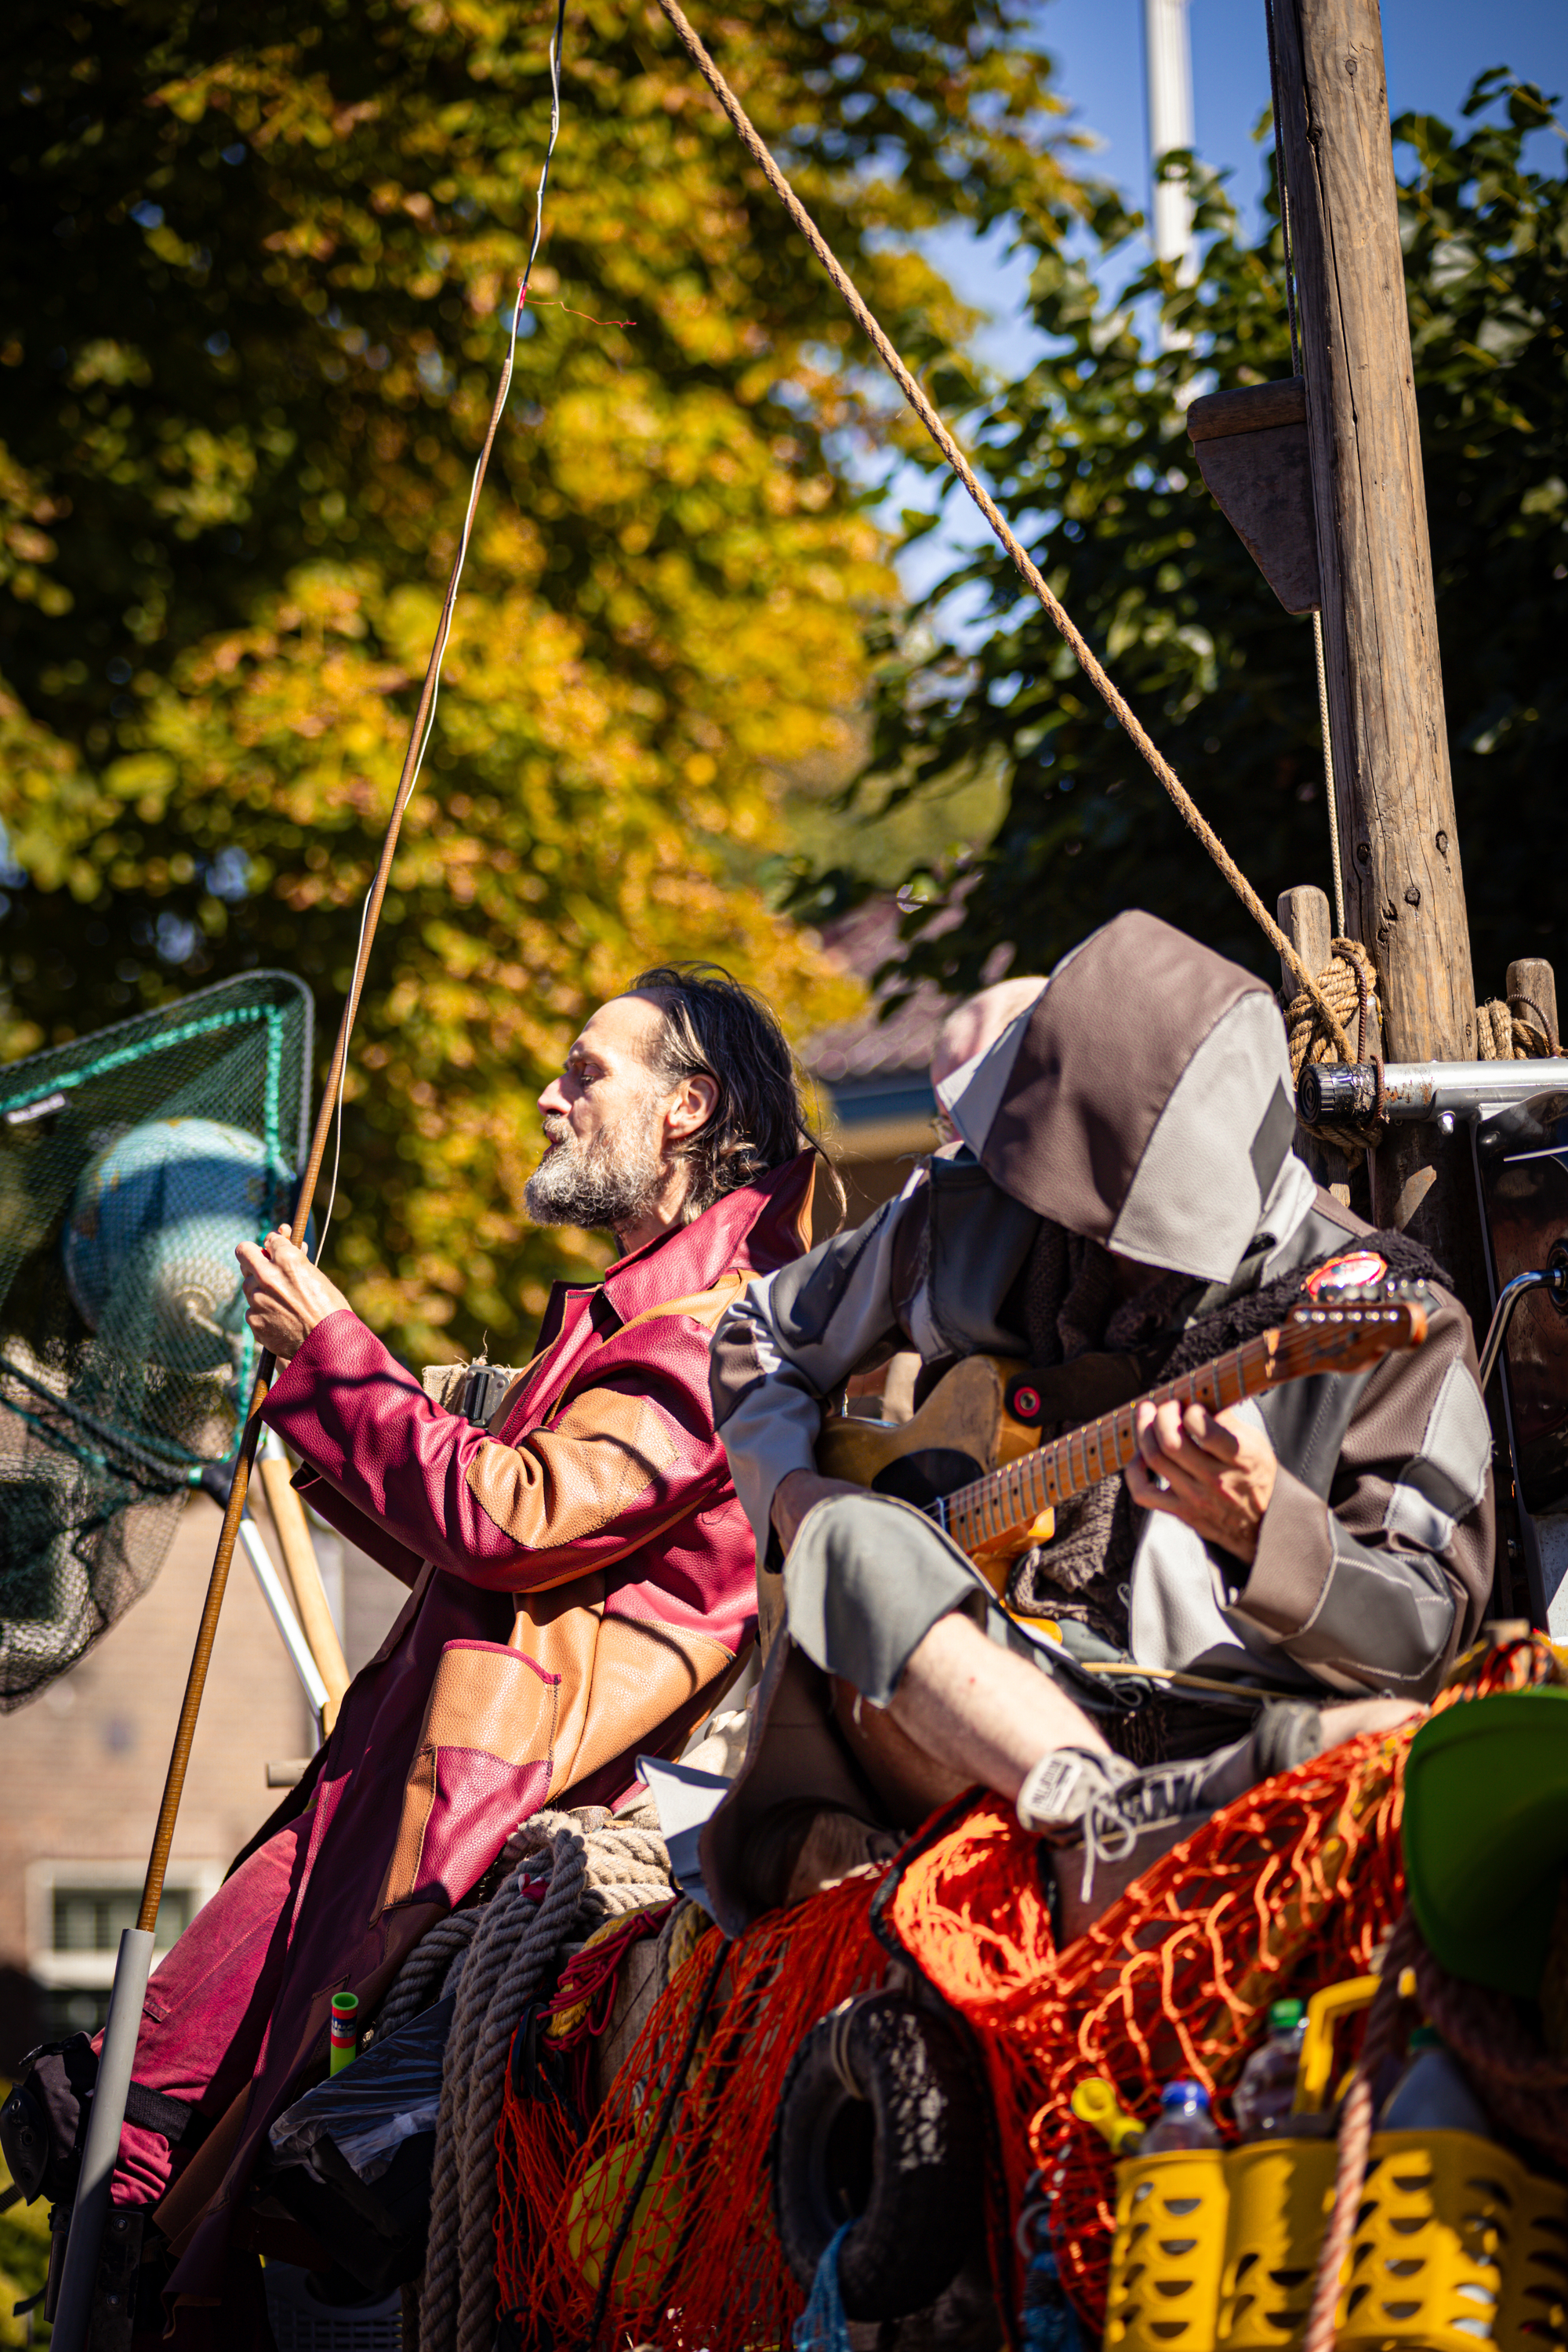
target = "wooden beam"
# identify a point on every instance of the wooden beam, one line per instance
(1307, 920)
(1405, 896)
(1532, 979)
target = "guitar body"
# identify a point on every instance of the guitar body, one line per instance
(963, 1430)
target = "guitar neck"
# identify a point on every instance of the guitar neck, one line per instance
(997, 1504)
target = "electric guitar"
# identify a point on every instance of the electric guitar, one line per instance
(973, 1461)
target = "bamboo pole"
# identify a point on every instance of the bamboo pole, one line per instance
(298, 1551)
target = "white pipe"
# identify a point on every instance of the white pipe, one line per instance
(1168, 64)
(283, 1616)
(106, 2117)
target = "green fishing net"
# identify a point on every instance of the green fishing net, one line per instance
(131, 1164)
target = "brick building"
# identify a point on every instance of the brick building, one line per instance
(82, 1770)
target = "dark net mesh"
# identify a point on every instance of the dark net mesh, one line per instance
(131, 1164)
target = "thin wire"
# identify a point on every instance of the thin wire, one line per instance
(1296, 369)
(451, 605)
(1339, 931)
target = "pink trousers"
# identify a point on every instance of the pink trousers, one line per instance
(209, 2003)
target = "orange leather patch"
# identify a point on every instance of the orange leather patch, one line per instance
(620, 1679)
(563, 1484)
(500, 1702)
(702, 1306)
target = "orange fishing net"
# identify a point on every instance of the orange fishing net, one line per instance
(1292, 1887)
(696, 2261)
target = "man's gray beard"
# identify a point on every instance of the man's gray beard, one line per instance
(606, 1184)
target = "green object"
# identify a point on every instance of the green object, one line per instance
(1486, 1834)
(345, 2042)
(1285, 2016)
(132, 1164)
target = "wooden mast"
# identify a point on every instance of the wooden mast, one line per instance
(1405, 896)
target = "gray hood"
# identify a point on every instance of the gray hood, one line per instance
(1142, 1100)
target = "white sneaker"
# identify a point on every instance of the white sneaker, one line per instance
(1078, 1795)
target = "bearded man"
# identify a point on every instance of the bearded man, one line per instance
(581, 1580)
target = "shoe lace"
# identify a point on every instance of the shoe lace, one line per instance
(1112, 1824)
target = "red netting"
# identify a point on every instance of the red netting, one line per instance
(1292, 1887)
(701, 2263)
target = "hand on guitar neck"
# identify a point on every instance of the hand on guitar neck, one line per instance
(1213, 1471)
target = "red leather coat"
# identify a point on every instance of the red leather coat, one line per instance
(582, 1583)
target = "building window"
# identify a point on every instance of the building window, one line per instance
(76, 1911)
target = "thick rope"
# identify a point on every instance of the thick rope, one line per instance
(422, 1976)
(598, 1867)
(1355, 2140)
(1349, 982)
(515, 1945)
(1504, 1036)
(1023, 564)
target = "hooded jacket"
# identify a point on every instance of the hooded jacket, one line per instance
(1143, 1101)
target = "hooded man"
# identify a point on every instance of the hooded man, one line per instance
(581, 1586)
(1121, 1204)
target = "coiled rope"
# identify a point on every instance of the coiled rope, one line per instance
(1023, 564)
(1349, 982)
(498, 1958)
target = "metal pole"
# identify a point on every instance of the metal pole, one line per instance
(90, 2209)
(1168, 64)
(283, 1617)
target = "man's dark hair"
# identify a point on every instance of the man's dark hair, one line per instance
(716, 1027)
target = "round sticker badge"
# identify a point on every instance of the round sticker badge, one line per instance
(1357, 1270)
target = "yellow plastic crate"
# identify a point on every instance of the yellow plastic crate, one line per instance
(1456, 2248)
(1163, 2294)
(1534, 2314)
(1281, 2193)
(1438, 2232)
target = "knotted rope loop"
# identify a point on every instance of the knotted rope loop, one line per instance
(1504, 1036)
(1349, 983)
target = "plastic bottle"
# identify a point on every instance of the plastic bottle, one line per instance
(1048, 2321)
(1185, 2121)
(1434, 2093)
(1266, 2090)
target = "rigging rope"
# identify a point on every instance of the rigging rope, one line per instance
(425, 724)
(1023, 564)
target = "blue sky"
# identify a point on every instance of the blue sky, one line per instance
(1434, 49)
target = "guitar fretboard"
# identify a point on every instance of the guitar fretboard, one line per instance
(1009, 1499)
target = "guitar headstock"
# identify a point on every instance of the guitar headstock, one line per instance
(1345, 1330)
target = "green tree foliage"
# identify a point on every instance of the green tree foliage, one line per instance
(255, 268)
(1095, 471)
